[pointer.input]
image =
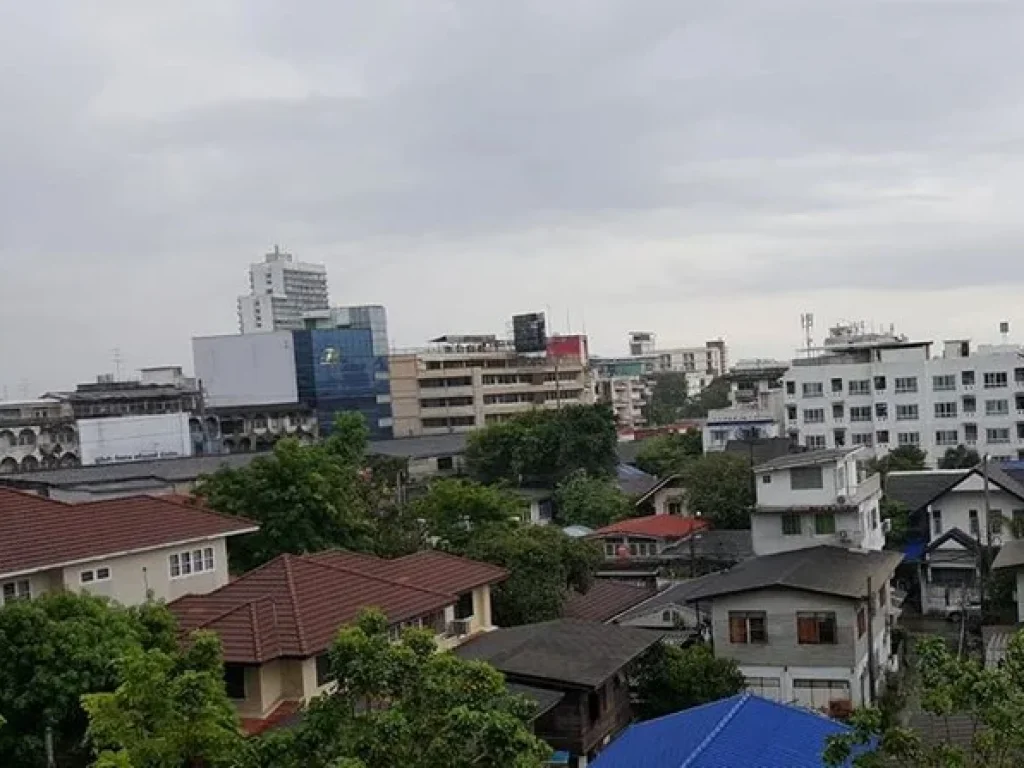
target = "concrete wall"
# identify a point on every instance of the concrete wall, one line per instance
(838, 479)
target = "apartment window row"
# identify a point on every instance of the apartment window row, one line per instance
(509, 398)
(792, 524)
(454, 381)
(446, 402)
(448, 422)
(190, 562)
(906, 412)
(92, 575)
(812, 628)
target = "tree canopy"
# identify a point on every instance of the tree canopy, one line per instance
(960, 457)
(170, 710)
(905, 458)
(718, 487)
(591, 501)
(543, 563)
(545, 446)
(453, 508)
(405, 704)
(990, 700)
(670, 678)
(669, 397)
(670, 454)
(55, 649)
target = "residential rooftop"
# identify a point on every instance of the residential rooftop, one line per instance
(655, 526)
(605, 600)
(807, 459)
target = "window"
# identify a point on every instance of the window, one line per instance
(906, 384)
(768, 687)
(970, 433)
(995, 522)
(860, 387)
(945, 410)
(819, 694)
(824, 525)
(86, 576)
(944, 383)
(997, 435)
(862, 621)
(814, 415)
(323, 670)
(997, 407)
(790, 387)
(860, 413)
(937, 522)
(970, 404)
(747, 627)
(862, 438)
(791, 524)
(610, 549)
(995, 380)
(839, 436)
(791, 412)
(1018, 375)
(972, 515)
(837, 386)
(967, 378)
(445, 463)
(947, 437)
(234, 681)
(766, 478)
(814, 442)
(879, 383)
(882, 410)
(806, 478)
(813, 389)
(464, 607)
(816, 628)
(667, 617)
(837, 411)
(908, 438)
(100, 574)
(17, 590)
(192, 561)
(906, 413)
(882, 437)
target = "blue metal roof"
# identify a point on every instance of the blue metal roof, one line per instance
(914, 550)
(744, 730)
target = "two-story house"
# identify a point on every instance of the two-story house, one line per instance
(816, 498)
(128, 549)
(959, 513)
(277, 622)
(810, 626)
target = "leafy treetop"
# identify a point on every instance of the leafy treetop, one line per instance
(718, 487)
(669, 454)
(670, 679)
(905, 458)
(453, 508)
(591, 501)
(960, 457)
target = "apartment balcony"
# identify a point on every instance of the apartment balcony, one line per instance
(429, 412)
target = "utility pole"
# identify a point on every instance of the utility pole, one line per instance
(871, 641)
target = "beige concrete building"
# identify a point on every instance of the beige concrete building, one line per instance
(460, 383)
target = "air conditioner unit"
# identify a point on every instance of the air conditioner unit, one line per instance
(844, 536)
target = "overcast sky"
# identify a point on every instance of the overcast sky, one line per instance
(698, 169)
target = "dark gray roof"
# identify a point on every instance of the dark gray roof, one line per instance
(677, 594)
(575, 654)
(634, 482)
(764, 449)
(806, 459)
(420, 447)
(544, 699)
(720, 545)
(1011, 555)
(168, 470)
(916, 490)
(826, 570)
(605, 600)
(965, 540)
(1008, 481)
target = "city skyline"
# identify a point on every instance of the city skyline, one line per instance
(699, 171)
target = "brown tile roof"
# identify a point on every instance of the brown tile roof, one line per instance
(605, 600)
(293, 606)
(37, 533)
(655, 526)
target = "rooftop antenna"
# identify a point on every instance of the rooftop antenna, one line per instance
(807, 324)
(1004, 330)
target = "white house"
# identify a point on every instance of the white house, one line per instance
(127, 549)
(814, 498)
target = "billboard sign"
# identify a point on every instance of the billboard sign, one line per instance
(118, 439)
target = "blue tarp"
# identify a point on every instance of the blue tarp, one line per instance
(914, 550)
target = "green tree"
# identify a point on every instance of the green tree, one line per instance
(453, 508)
(906, 458)
(960, 457)
(669, 397)
(718, 487)
(349, 438)
(714, 395)
(55, 649)
(304, 498)
(669, 454)
(169, 711)
(991, 700)
(591, 501)
(545, 446)
(670, 678)
(544, 565)
(898, 516)
(405, 704)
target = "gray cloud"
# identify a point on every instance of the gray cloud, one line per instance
(638, 163)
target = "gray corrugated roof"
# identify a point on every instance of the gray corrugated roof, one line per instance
(573, 653)
(827, 570)
(806, 459)
(422, 446)
(544, 699)
(916, 490)
(722, 545)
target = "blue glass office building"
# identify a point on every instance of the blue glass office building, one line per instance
(344, 369)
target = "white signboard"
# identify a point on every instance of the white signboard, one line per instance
(117, 439)
(246, 369)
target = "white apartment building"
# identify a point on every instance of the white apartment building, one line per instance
(281, 290)
(461, 383)
(702, 365)
(817, 498)
(881, 391)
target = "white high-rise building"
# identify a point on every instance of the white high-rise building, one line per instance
(281, 290)
(882, 391)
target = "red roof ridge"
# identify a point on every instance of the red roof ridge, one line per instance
(290, 579)
(383, 579)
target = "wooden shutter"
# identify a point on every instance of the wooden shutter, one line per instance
(807, 629)
(737, 629)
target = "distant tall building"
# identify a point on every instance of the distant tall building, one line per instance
(281, 290)
(702, 365)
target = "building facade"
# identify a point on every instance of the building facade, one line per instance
(739, 423)
(281, 290)
(702, 365)
(37, 434)
(461, 383)
(881, 391)
(626, 385)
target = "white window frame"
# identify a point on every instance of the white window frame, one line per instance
(907, 412)
(946, 410)
(908, 438)
(905, 385)
(992, 410)
(944, 383)
(21, 589)
(995, 379)
(191, 562)
(860, 386)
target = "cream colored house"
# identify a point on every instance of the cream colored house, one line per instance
(277, 622)
(127, 549)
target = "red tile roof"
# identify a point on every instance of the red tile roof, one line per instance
(655, 526)
(37, 533)
(605, 600)
(293, 606)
